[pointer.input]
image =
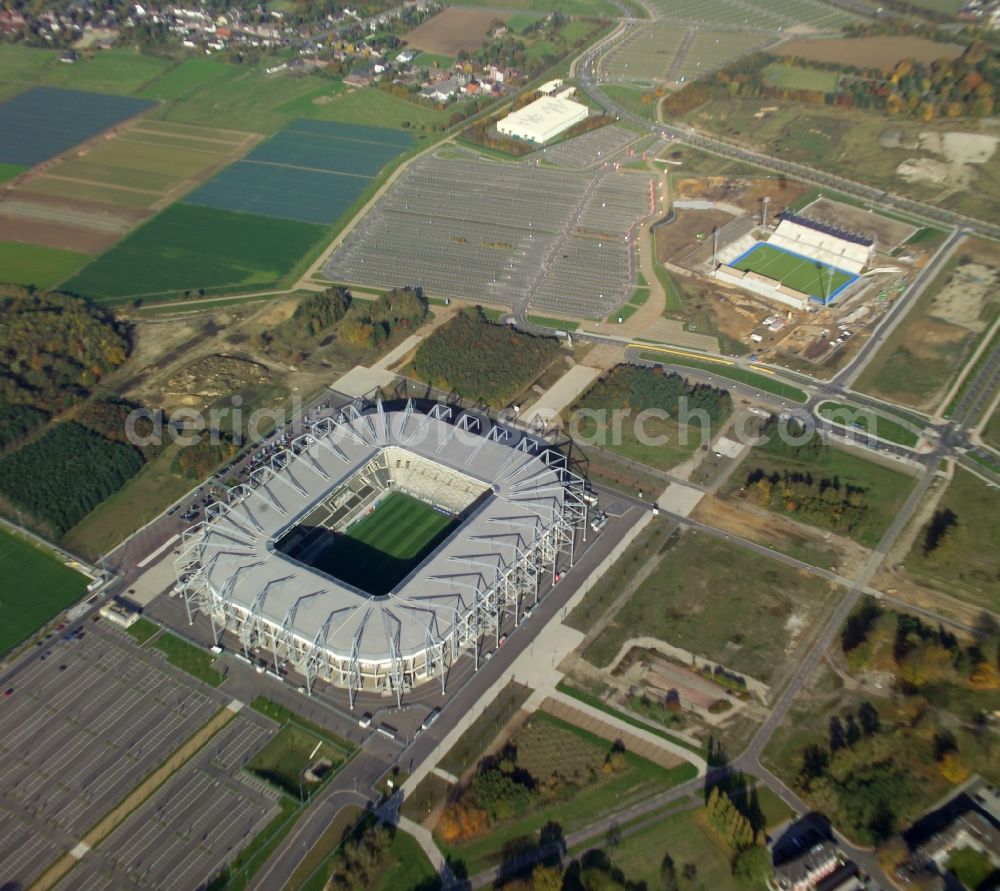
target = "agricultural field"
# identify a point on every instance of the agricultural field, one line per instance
(801, 273)
(311, 171)
(188, 247)
(116, 71)
(27, 135)
(36, 587)
(868, 52)
(378, 551)
(38, 267)
(453, 29)
(9, 171)
(964, 562)
(143, 166)
(741, 609)
(922, 356)
(188, 77)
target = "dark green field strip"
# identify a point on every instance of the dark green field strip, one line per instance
(289, 193)
(9, 171)
(35, 587)
(196, 247)
(45, 121)
(869, 421)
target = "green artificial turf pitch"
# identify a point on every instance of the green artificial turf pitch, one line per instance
(381, 549)
(36, 586)
(805, 275)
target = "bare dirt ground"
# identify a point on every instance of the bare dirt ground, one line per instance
(866, 52)
(888, 233)
(681, 236)
(898, 584)
(779, 533)
(53, 235)
(454, 29)
(743, 192)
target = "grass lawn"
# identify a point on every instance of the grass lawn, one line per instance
(368, 105)
(283, 760)
(549, 322)
(36, 266)
(381, 549)
(188, 247)
(801, 273)
(120, 71)
(679, 441)
(142, 630)
(431, 790)
(154, 488)
(868, 421)
(972, 867)
(969, 565)
(24, 64)
(636, 100)
(718, 600)
(9, 171)
(36, 586)
(687, 838)
(546, 745)
(723, 368)
(991, 429)
(189, 76)
(407, 866)
(281, 715)
(792, 77)
(471, 744)
(186, 656)
(432, 60)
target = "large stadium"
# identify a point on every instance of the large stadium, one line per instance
(382, 543)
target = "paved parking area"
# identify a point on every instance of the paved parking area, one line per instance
(194, 824)
(83, 726)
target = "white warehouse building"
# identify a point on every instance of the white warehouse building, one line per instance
(543, 120)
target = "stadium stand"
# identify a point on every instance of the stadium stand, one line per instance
(820, 241)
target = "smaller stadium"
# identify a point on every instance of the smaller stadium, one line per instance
(802, 261)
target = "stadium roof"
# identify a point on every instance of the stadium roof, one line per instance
(543, 119)
(242, 565)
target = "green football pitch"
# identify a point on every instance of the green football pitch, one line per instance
(35, 587)
(809, 276)
(378, 551)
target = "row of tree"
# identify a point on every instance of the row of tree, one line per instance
(827, 501)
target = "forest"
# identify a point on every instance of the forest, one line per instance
(63, 475)
(638, 387)
(54, 349)
(957, 88)
(482, 361)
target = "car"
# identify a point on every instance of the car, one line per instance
(365, 720)
(503, 640)
(431, 718)
(488, 655)
(62, 667)
(8, 693)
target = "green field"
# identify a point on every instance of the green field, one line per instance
(432, 60)
(32, 265)
(972, 867)
(189, 76)
(9, 171)
(187, 657)
(598, 8)
(120, 71)
(473, 742)
(741, 375)
(378, 551)
(721, 601)
(284, 759)
(868, 421)
(882, 489)
(792, 77)
(197, 247)
(968, 564)
(805, 275)
(36, 586)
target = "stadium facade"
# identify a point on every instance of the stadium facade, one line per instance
(519, 510)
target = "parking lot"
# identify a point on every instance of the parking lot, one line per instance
(195, 823)
(518, 234)
(86, 721)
